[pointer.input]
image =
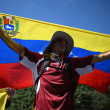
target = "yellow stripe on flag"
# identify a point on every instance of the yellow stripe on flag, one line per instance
(3, 98)
(29, 29)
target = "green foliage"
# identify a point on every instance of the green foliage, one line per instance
(22, 100)
(108, 92)
(86, 98)
(100, 101)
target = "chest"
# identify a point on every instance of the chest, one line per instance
(55, 75)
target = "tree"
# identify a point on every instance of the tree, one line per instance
(88, 98)
(22, 100)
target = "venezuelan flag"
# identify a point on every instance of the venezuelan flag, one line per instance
(3, 98)
(35, 35)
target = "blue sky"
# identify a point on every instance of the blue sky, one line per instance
(93, 15)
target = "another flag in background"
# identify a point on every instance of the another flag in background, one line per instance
(35, 35)
(3, 98)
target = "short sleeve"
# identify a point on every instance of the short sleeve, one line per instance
(30, 59)
(81, 62)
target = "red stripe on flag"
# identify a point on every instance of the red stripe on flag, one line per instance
(99, 80)
(15, 75)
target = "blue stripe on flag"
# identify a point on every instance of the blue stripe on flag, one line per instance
(9, 56)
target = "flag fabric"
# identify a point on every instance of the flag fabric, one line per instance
(35, 35)
(3, 98)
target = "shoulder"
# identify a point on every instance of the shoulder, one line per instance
(31, 56)
(81, 62)
(81, 58)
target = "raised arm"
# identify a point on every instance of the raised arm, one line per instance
(101, 57)
(11, 43)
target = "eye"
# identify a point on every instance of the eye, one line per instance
(60, 40)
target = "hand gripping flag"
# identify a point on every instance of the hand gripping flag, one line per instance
(35, 35)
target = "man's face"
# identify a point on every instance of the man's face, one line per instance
(58, 47)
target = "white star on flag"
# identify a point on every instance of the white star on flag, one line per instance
(41, 52)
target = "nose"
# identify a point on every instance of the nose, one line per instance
(63, 43)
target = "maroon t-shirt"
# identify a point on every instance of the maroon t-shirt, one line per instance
(53, 90)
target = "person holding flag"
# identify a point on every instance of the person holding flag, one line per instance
(6, 95)
(54, 87)
(11, 93)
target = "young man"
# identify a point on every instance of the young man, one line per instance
(11, 93)
(53, 91)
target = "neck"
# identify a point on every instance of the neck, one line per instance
(57, 56)
(54, 55)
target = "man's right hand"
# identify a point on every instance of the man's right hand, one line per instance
(11, 43)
